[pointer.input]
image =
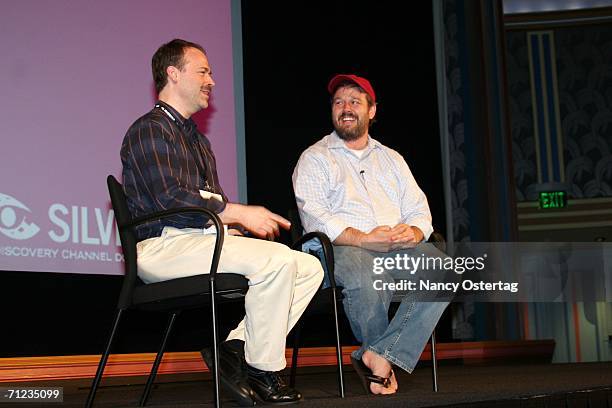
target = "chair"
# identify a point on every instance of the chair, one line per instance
(170, 296)
(333, 294)
(323, 300)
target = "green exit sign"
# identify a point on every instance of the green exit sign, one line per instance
(553, 199)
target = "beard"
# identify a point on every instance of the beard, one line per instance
(353, 132)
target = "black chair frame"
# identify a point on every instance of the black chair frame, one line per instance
(171, 296)
(335, 295)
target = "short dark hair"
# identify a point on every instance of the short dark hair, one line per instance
(351, 84)
(169, 54)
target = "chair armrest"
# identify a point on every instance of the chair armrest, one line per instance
(438, 240)
(436, 237)
(328, 252)
(173, 211)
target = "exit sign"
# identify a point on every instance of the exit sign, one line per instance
(553, 199)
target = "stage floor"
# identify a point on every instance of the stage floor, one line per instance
(517, 385)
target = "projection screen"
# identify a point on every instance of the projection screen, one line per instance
(74, 75)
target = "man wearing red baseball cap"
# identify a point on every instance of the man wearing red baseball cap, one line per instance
(363, 196)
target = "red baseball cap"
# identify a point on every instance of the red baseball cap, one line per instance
(362, 82)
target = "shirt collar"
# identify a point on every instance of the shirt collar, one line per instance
(335, 142)
(187, 124)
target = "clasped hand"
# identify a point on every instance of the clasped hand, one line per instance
(385, 238)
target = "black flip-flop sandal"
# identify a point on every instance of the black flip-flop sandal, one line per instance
(366, 376)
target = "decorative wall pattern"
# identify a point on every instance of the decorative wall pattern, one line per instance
(584, 69)
(459, 191)
(463, 315)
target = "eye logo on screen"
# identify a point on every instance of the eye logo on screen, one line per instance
(13, 225)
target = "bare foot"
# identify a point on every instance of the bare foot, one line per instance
(382, 368)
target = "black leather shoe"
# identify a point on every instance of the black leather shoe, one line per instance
(232, 371)
(270, 388)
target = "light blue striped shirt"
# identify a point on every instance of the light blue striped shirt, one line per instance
(335, 189)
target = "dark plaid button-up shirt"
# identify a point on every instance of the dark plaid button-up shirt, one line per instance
(160, 170)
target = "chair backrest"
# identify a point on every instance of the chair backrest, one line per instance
(296, 230)
(119, 201)
(123, 217)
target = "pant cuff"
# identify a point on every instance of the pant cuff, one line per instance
(235, 335)
(267, 366)
(393, 360)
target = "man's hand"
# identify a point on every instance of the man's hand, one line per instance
(406, 236)
(382, 238)
(256, 219)
(379, 239)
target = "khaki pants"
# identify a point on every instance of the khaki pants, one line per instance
(281, 283)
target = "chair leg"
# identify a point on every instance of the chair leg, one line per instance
(434, 361)
(338, 346)
(294, 356)
(158, 358)
(215, 367)
(103, 360)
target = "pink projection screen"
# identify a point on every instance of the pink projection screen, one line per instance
(74, 75)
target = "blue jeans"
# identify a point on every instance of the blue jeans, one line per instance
(402, 340)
